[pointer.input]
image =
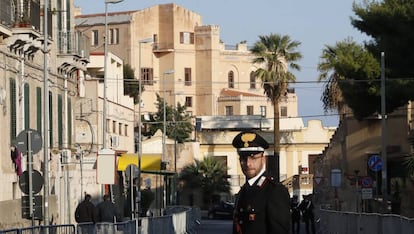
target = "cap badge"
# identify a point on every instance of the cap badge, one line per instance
(248, 137)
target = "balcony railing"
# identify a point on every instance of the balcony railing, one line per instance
(23, 14)
(7, 17)
(73, 43)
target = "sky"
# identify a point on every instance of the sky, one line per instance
(313, 23)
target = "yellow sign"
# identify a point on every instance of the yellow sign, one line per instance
(149, 162)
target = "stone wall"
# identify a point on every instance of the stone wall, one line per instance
(11, 215)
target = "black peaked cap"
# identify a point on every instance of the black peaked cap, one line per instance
(249, 141)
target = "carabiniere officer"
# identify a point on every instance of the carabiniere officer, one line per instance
(262, 204)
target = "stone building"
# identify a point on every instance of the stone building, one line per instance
(356, 153)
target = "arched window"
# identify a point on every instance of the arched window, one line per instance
(230, 77)
(252, 80)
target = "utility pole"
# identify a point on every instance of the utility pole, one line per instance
(383, 136)
(46, 112)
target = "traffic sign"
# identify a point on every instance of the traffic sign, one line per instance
(22, 141)
(375, 162)
(37, 207)
(366, 182)
(366, 193)
(318, 179)
(37, 182)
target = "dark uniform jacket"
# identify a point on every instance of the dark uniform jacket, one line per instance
(85, 212)
(263, 208)
(107, 212)
(306, 207)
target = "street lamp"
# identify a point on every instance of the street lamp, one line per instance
(164, 133)
(104, 127)
(147, 40)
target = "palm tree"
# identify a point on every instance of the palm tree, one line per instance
(210, 175)
(275, 54)
(346, 61)
(332, 95)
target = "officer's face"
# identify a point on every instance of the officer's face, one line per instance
(252, 165)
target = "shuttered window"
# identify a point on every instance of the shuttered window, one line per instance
(69, 114)
(60, 121)
(50, 120)
(13, 125)
(26, 106)
(39, 109)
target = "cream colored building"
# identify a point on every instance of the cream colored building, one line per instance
(186, 61)
(23, 69)
(120, 108)
(298, 144)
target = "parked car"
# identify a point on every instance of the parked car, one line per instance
(221, 210)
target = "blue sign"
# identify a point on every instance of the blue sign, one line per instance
(366, 182)
(375, 162)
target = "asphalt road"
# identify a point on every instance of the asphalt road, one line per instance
(224, 226)
(215, 226)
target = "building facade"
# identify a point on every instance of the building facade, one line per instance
(355, 153)
(73, 111)
(181, 60)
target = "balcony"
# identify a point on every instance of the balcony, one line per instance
(73, 52)
(20, 22)
(163, 47)
(6, 19)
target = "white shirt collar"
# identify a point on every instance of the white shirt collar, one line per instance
(252, 180)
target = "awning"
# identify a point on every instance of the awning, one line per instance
(150, 162)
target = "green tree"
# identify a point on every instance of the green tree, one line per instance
(389, 23)
(178, 122)
(350, 73)
(275, 54)
(210, 175)
(131, 85)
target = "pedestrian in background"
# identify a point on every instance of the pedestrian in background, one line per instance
(263, 204)
(85, 211)
(106, 211)
(295, 214)
(306, 206)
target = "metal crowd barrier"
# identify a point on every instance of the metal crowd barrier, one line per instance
(361, 223)
(178, 220)
(50, 229)
(10, 231)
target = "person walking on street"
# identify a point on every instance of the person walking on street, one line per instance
(85, 211)
(106, 211)
(263, 204)
(295, 214)
(306, 206)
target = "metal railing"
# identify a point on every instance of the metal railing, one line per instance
(178, 220)
(330, 221)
